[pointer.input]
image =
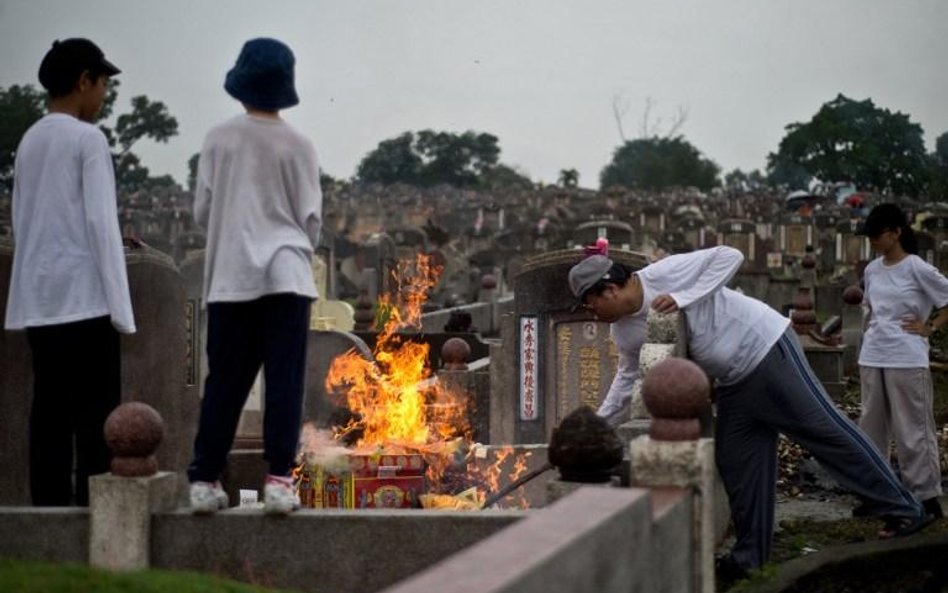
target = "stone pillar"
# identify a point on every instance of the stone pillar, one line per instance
(853, 321)
(469, 388)
(121, 502)
(677, 394)
(664, 339)
(803, 317)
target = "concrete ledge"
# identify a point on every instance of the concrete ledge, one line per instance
(588, 542)
(672, 558)
(319, 550)
(52, 534)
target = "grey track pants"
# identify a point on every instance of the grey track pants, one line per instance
(782, 395)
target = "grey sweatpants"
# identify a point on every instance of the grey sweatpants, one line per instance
(898, 402)
(782, 395)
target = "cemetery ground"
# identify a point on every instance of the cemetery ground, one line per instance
(814, 517)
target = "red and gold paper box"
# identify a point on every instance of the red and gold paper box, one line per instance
(372, 481)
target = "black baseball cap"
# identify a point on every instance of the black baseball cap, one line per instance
(66, 60)
(881, 218)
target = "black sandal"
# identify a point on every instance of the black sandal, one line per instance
(902, 526)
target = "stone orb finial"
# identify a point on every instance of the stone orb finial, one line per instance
(488, 282)
(133, 432)
(676, 392)
(852, 295)
(454, 354)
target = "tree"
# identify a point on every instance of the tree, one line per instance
(193, 170)
(148, 119)
(24, 105)
(568, 177)
(938, 170)
(393, 161)
(429, 158)
(855, 141)
(658, 163)
(20, 106)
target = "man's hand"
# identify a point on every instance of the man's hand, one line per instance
(664, 303)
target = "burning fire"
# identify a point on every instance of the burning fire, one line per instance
(397, 407)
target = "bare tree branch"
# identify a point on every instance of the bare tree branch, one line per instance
(678, 121)
(619, 109)
(644, 130)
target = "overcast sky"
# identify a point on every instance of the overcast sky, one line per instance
(541, 75)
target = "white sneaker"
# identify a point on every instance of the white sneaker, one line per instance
(279, 498)
(207, 498)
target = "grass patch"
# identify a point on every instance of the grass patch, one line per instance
(18, 576)
(799, 537)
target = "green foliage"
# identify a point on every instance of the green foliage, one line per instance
(568, 178)
(193, 170)
(36, 577)
(431, 158)
(501, 176)
(854, 141)
(658, 163)
(938, 170)
(23, 105)
(394, 160)
(20, 106)
(738, 180)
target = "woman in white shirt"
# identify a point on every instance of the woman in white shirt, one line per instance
(901, 292)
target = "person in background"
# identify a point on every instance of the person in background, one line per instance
(258, 196)
(69, 286)
(763, 387)
(901, 291)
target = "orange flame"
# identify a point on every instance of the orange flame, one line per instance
(397, 406)
(390, 395)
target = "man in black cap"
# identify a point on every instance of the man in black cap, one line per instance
(762, 383)
(69, 287)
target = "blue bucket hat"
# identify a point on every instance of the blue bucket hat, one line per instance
(263, 75)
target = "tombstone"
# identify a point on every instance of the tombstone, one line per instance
(192, 274)
(322, 348)
(409, 242)
(694, 231)
(741, 235)
(560, 359)
(850, 247)
(795, 234)
(620, 234)
(155, 362)
(927, 247)
(154, 369)
(16, 394)
(370, 267)
(652, 219)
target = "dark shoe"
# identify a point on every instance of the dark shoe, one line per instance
(727, 571)
(902, 526)
(933, 507)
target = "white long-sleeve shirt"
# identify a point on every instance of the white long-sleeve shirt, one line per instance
(909, 289)
(68, 262)
(728, 333)
(259, 198)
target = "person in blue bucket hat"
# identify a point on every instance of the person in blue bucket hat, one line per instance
(257, 193)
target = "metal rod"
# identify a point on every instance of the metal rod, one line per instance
(495, 497)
